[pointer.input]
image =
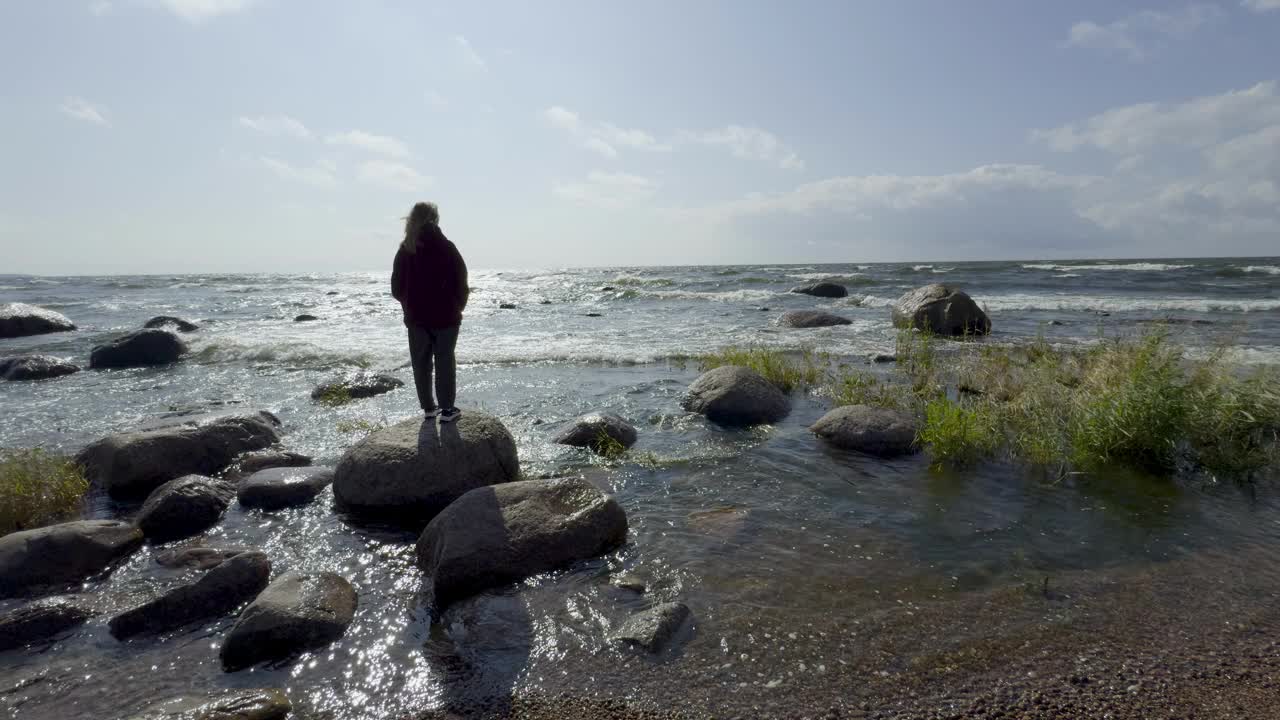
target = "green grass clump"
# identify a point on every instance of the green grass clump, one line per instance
(788, 371)
(360, 425)
(848, 386)
(607, 447)
(335, 396)
(1234, 420)
(37, 488)
(958, 433)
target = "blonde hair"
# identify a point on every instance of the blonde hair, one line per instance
(422, 215)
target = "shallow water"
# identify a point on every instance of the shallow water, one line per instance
(764, 533)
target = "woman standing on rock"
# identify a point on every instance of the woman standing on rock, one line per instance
(430, 281)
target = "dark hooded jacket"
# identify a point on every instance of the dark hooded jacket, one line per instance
(431, 284)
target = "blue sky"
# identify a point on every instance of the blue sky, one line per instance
(283, 135)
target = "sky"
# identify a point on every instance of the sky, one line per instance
(167, 136)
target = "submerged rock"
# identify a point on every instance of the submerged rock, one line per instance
(412, 470)
(267, 704)
(595, 430)
(184, 507)
(40, 620)
(634, 583)
(733, 395)
(63, 554)
(21, 320)
(497, 535)
(940, 309)
(251, 462)
(164, 321)
(357, 386)
(132, 464)
(872, 430)
(811, 319)
(143, 348)
(653, 629)
(35, 367)
(296, 613)
(305, 318)
(197, 558)
(218, 592)
(822, 289)
(506, 306)
(279, 488)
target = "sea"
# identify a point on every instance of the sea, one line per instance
(783, 548)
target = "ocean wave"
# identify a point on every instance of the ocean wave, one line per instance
(1104, 303)
(838, 278)
(638, 281)
(1267, 269)
(1132, 267)
(722, 296)
(290, 354)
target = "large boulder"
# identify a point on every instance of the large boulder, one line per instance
(410, 471)
(872, 430)
(653, 629)
(165, 321)
(218, 592)
(279, 488)
(143, 348)
(131, 465)
(35, 367)
(184, 507)
(267, 704)
(40, 620)
(196, 558)
(597, 431)
(822, 289)
(940, 309)
(497, 535)
(251, 462)
(63, 554)
(355, 387)
(21, 320)
(736, 396)
(811, 319)
(296, 613)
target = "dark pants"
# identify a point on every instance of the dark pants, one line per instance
(428, 347)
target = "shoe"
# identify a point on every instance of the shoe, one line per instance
(449, 414)
(432, 413)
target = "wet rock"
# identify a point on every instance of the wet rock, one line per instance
(633, 583)
(593, 314)
(653, 629)
(166, 321)
(196, 558)
(544, 302)
(736, 396)
(132, 464)
(268, 704)
(724, 523)
(63, 554)
(251, 462)
(811, 319)
(279, 488)
(872, 430)
(357, 386)
(144, 348)
(822, 289)
(184, 507)
(506, 306)
(497, 535)
(412, 470)
(21, 320)
(38, 621)
(35, 367)
(333, 292)
(218, 592)
(608, 288)
(305, 318)
(940, 309)
(881, 358)
(762, 309)
(595, 430)
(296, 613)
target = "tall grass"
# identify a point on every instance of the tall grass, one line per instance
(788, 371)
(37, 489)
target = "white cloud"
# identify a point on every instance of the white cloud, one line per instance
(562, 118)
(380, 144)
(1133, 34)
(196, 11)
(601, 138)
(609, 190)
(320, 175)
(100, 7)
(469, 54)
(436, 100)
(749, 142)
(597, 145)
(275, 125)
(82, 109)
(1261, 5)
(392, 175)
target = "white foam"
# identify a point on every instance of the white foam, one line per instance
(1268, 269)
(1111, 303)
(1131, 267)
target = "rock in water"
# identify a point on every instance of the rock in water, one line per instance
(305, 318)
(811, 319)
(21, 320)
(279, 488)
(38, 621)
(269, 704)
(412, 470)
(63, 554)
(296, 613)
(736, 396)
(357, 386)
(251, 462)
(198, 558)
(35, 367)
(143, 348)
(940, 309)
(184, 507)
(822, 289)
(872, 430)
(654, 628)
(218, 592)
(163, 321)
(595, 430)
(131, 465)
(497, 535)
